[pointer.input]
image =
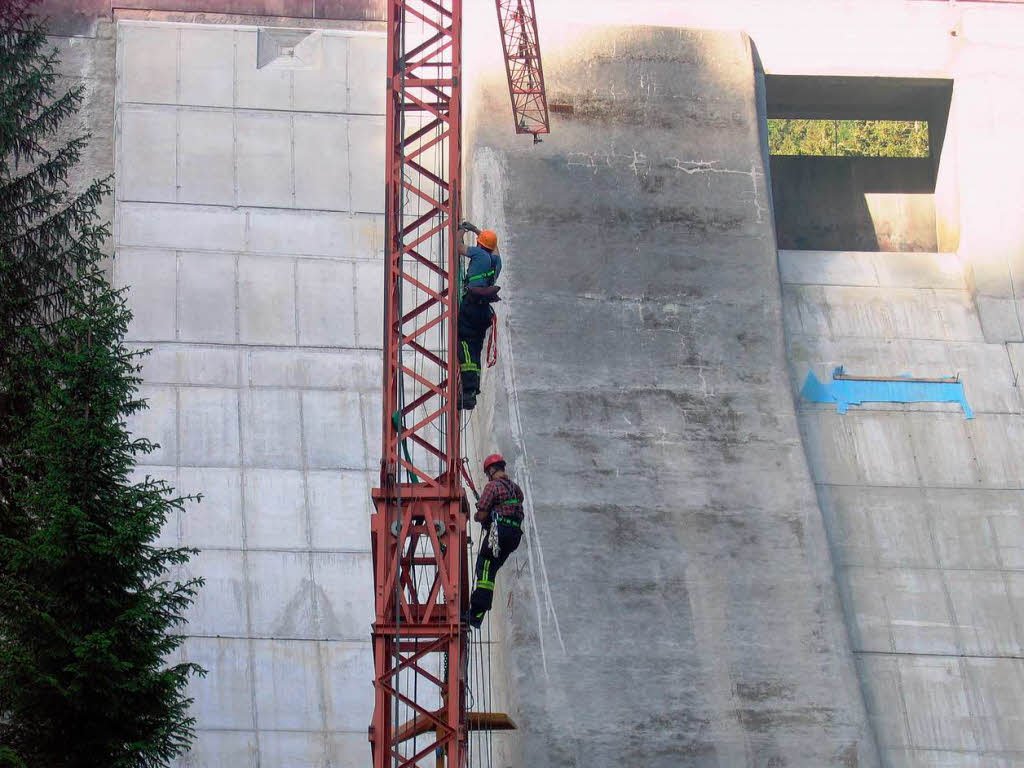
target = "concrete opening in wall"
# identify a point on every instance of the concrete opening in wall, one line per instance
(854, 161)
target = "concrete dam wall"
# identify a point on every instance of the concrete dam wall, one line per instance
(714, 577)
(249, 227)
(686, 611)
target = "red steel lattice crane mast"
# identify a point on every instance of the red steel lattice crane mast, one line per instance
(521, 46)
(419, 526)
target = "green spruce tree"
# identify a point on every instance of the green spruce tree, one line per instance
(88, 605)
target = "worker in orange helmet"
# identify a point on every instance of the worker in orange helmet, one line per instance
(500, 511)
(475, 312)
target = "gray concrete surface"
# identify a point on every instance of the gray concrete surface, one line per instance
(854, 203)
(981, 176)
(268, 401)
(248, 225)
(685, 613)
(923, 508)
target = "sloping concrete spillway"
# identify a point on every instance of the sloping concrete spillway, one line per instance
(676, 605)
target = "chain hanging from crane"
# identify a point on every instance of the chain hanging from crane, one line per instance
(521, 45)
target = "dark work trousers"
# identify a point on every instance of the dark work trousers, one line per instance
(487, 566)
(474, 320)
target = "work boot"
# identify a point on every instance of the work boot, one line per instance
(467, 402)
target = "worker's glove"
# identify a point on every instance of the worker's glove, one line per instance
(469, 227)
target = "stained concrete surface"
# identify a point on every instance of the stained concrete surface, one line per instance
(686, 562)
(854, 203)
(201, 372)
(248, 226)
(923, 508)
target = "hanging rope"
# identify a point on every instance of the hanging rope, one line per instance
(469, 479)
(492, 341)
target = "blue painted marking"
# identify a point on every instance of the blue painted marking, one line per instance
(847, 392)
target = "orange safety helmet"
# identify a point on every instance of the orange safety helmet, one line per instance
(494, 458)
(487, 239)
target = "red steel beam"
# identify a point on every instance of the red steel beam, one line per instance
(521, 45)
(418, 528)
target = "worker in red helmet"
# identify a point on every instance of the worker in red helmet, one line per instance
(475, 312)
(500, 512)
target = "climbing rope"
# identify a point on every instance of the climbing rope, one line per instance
(492, 341)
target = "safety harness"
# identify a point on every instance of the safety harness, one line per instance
(492, 338)
(492, 531)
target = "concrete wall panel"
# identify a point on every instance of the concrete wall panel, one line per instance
(275, 509)
(217, 749)
(224, 699)
(206, 158)
(264, 163)
(209, 427)
(941, 715)
(367, 165)
(332, 430)
(345, 598)
(158, 423)
(206, 298)
(265, 88)
(188, 227)
(296, 750)
(346, 369)
(994, 687)
(266, 300)
(170, 532)
(152, 276)
(369, 304)
(366, 68)
(288, 685)
(184, 364)
(145, 174)
(220, 608)
(339, 515)
(216, 521)
(321, 146)
(206, 67)
(326, 303)
(281, 595)
(324, 89)
(271, 427)
(348, 707)
(984, 613)
(150, 55)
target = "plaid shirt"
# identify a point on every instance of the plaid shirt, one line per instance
(506, 496)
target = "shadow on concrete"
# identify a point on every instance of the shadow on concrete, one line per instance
(857, 203)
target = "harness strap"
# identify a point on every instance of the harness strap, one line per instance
(481, 276)
(486, 276)
(468, 366)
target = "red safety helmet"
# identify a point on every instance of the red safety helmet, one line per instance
(494, 458)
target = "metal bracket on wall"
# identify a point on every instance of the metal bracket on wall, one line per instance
(845, 390)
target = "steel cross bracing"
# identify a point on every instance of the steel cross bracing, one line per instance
(418, 529)
(521, 45)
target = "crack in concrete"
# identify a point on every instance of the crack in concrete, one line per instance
(705, 167)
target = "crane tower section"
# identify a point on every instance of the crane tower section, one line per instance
(521, 46)
(418, 528)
